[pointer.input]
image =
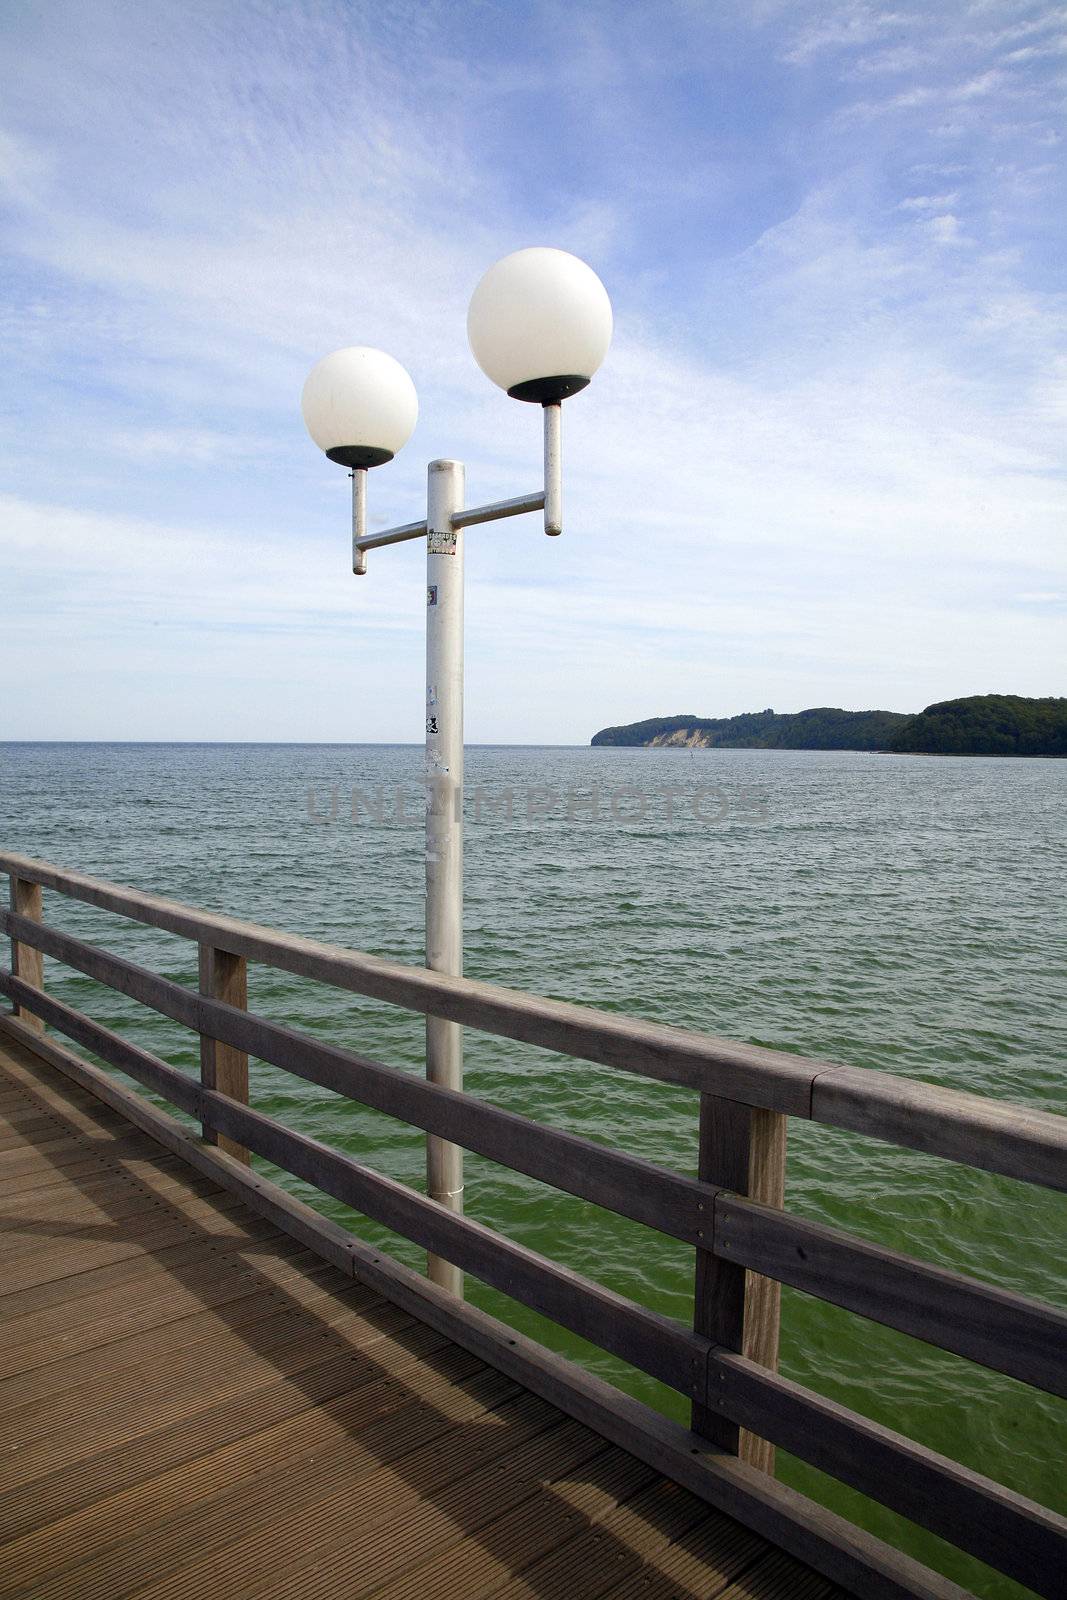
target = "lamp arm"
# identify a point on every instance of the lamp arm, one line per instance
(550, 498)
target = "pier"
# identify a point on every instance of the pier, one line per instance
(210, 1388)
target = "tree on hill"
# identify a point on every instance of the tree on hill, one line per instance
(987, 725)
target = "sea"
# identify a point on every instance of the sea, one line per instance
(904, 913)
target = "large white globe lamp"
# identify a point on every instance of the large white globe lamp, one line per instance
(540, 324)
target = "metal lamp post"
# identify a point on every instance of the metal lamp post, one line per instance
(539, 325)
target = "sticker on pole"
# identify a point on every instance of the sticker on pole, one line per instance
(431, 594)
(441, 544)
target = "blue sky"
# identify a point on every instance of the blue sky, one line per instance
(823, 463)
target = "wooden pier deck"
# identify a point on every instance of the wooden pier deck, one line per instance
(196, 1405)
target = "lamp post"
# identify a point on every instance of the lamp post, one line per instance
(539, 326)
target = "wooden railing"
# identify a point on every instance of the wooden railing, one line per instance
(745, 1243)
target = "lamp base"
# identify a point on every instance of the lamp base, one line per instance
(359, 455)
(548, 391)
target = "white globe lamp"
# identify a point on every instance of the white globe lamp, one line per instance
(540, 324)
(359, 406)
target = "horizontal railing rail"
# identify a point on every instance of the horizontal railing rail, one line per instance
(996, 1328)
(1016, 1141)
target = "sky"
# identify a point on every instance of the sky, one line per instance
(823, 463)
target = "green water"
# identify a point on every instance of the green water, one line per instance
(892, 912)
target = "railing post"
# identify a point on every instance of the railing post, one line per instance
(27, 900)
(224, 977)
(743, 1149)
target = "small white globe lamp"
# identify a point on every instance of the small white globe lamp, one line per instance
(540, 324)
(359, 406)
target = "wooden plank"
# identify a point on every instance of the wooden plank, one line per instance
(240, 1483)
(94, 1189)
(326, 1314)
(32, 1126)
(844, 1553)
(137, 1212)
(622, 1183)
(224, 977)
(335, 1244)
(661, 1542)
(373, 1382)
(998, 1328)
(773, 1577)
(242, 1249)
(112, 1534)
(59, 1430)
(27, 962)
(1011, 1533)
(700, 1560)
(1018, 1141)
(101, 1177)
(772, 1078)
(44, 1175)
(138, 1236)
(369, 1529)
(37, 1338)
(209, 1324)
(47, 1155)
(79, 1108)
(353, 1541)
(74, 1216)
(44, 1147)
(30, 1132)
(476, 1561)
(23, 1118)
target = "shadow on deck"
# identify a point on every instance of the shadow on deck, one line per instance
(194, 1405)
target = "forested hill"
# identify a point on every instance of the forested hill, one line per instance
(986, 724)
(822, 728)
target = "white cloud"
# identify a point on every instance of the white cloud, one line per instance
(851, 25)
(945, 229)
(928, 202)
